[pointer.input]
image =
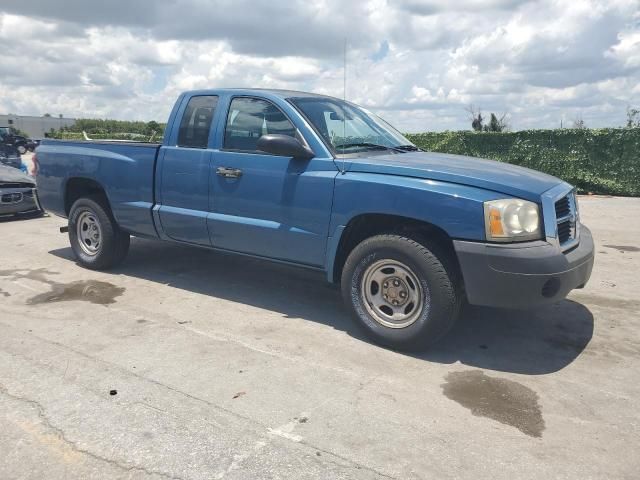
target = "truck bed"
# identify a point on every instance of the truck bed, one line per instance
(125, 170)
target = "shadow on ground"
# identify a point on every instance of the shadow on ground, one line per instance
(20, 217)
(530, 342)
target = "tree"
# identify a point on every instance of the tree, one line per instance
(477, 123)
(17, 132)
(633, 117)
(494, 125)
(497, 124)
(579, 123)
(47, 115)
(152, 127)
(476, 118)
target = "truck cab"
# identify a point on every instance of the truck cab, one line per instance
(321, 183)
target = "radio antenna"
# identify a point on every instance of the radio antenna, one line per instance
(344, 98)
(344, 85)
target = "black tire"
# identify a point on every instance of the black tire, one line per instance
(114, 243)
(436, 275)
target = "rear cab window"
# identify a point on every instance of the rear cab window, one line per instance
(249, 118)
(196, 121)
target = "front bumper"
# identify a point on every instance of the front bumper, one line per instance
(523, 275)
(19, 201)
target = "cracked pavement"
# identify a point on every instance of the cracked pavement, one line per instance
(234, 368)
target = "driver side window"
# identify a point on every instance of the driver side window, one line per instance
(250, 118)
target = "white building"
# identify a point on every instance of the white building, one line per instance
(35, 127)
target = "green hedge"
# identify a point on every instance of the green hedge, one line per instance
(600, 161)
(60, 135)
(110, 129)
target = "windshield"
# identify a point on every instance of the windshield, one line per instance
(347, 128)
(4, 132)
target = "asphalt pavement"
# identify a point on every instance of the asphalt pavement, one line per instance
(189, 364)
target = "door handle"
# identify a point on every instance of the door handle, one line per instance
(229, 172)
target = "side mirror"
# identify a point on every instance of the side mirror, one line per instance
(285, 146)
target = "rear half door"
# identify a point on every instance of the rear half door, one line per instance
(184, 175)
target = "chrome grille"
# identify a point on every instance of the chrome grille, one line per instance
(566, 219)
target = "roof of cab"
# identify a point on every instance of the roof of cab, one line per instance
(256, 91)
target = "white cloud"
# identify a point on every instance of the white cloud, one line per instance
(416, 62)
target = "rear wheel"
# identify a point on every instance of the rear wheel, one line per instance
(400, 291)
(96, 240)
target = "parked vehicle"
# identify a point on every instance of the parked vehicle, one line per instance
(321, 183)
(32, 144)
(9, 156)
(21, 144)
(18, 194)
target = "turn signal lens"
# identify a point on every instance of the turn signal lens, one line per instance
(495, 222)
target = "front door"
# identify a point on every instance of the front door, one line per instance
(184, 177)
(268, 205)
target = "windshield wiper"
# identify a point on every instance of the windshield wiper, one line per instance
(372, 146)
(408, 148)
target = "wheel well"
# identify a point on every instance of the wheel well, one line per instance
(79, 188)
(368, 225)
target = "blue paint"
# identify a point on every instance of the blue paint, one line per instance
(285, 209)
(125, 170)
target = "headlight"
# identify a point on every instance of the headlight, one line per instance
(512, 220)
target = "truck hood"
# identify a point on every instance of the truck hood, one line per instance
(475, 172)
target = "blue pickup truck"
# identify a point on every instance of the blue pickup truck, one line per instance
(321, 183)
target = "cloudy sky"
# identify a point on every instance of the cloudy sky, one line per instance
(418, 63)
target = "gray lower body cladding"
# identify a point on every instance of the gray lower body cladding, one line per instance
(523, 275)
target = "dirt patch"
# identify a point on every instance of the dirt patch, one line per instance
(505, 401)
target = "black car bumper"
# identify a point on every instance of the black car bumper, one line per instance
(19, 201)
(523, 275)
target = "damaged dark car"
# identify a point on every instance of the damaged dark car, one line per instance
(9, 156)
(18, 194)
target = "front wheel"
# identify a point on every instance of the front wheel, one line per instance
(400, 291)
(96, 240)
